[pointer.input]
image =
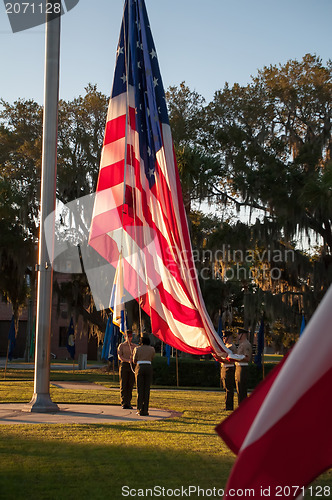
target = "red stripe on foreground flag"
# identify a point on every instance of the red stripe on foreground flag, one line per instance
(233, 430)
(289, 442)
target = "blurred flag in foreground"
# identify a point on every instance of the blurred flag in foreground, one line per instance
(283, 433)
(138, 211)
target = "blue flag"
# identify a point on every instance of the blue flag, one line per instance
(302, 325)
(33, 338)
(168, 353)
(71, 339)
(115, 334)
(219, 331)
(111, 339)
(260, 345)
(11, 339)
(107, 340)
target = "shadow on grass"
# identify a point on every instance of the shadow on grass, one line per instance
(95, 467)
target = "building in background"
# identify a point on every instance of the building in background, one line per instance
(85, 341)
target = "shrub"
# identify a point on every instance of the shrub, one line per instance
(198, 372)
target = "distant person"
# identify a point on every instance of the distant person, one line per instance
(227, 372)
(126, 373)
(242, 367)
(143, 356)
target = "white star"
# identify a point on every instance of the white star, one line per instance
(139, 65)
(119, 51)
(149, 151)
(148, 111)
(155, 82)
(153, 53)
(151, 172)
(123, 78)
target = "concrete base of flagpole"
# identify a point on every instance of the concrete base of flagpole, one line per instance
(41, 403)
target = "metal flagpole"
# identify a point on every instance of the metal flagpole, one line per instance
(41, 401)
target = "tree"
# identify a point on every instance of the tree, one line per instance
(20, 161)
(81, 127)
(81, 132)
(20, 164)
(197, 167)
(273, 138)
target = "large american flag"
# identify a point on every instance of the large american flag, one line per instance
(139, 221)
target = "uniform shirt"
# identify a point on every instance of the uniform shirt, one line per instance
(144, 353)
(125, 351)
(245, 349)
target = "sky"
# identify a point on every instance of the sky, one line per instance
(202, 42)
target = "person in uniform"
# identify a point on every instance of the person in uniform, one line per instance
(126, 373)
(241, 367)
(227, 372)
(143, 356)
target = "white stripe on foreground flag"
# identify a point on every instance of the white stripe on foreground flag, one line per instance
(290, 440)
(138, 211)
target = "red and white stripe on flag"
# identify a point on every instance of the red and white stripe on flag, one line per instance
(145, 221)
(284, 429)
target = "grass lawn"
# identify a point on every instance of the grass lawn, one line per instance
(96, 461)
(272, 358)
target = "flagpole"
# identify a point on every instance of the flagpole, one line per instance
(41, 401)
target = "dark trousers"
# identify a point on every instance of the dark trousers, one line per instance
(228, 380)
(143, 374)
(241, 381)
(127, 379)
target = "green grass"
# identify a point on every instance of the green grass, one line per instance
(95, 461)
(272, 358)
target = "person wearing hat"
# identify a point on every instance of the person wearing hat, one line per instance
(126, 373)
(143, 356)
(227, 372)
(241, 367)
